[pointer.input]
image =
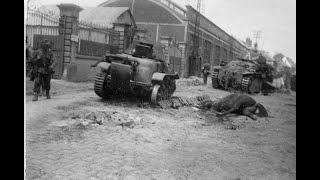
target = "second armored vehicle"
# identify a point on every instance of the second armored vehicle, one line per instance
(242, 74)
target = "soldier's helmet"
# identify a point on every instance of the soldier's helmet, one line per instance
(46, 43)
(222, 63)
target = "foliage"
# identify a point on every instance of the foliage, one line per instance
(278, 57)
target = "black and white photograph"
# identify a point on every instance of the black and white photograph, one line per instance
(159, 90)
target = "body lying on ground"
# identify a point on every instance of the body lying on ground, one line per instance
(237, 103)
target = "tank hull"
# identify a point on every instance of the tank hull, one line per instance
(243, 76)
(128, 75)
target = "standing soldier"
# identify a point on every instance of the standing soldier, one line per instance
(29, 54)
(44, 65)
(205, 71)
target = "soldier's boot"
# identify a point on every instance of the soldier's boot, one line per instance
(35, 97)
(43, 92)
(48, 95)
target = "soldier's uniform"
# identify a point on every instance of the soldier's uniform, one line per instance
(29, 64)
(44, 68)
(29, 68)
(205, 72)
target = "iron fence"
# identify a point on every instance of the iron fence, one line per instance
(38, 23)
(41, 26)
(96, 40)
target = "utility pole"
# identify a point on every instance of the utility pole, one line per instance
(195, 51)
(132, 5)
(196, 31)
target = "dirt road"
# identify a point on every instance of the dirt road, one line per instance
(183, 143)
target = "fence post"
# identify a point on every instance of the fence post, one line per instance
(69, 13)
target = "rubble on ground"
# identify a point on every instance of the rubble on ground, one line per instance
(189, 82)
(93, 119)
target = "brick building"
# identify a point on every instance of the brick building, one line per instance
(172, 25)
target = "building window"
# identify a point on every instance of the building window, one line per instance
(225, 55)
(207, 51)
(216, 55)
(230, 56)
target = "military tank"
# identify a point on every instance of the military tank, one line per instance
(135, 72)
(243, 74)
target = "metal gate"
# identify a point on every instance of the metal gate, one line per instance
(40, 26)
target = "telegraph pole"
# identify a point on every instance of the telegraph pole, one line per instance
(132, 5)
(196, 45)
(197, 30)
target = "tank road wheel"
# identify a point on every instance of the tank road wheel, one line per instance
(251, 85)
(255, 85)
(245, 85)
(214, 79)
(157, 94)
(99, 85)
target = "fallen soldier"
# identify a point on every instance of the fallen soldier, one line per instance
(237, 103)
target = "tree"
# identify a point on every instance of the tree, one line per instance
(278, 57)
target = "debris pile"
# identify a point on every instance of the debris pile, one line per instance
(86, 119)
(187, 82)
(176, 102)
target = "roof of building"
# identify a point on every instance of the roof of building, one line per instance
(177, 5)
(184, 10)
(153, 11)
(220, 29)
(241, 42)
(102, 16)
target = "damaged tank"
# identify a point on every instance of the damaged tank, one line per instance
(135, 72)
(244, 75)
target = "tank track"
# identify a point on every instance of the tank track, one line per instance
(99, 85)
(183, 101)
(214, 79)
(245, 85)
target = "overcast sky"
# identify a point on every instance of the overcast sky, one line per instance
(276, 19)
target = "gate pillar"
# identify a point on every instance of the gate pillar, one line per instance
(68, 28)
(123, 30)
